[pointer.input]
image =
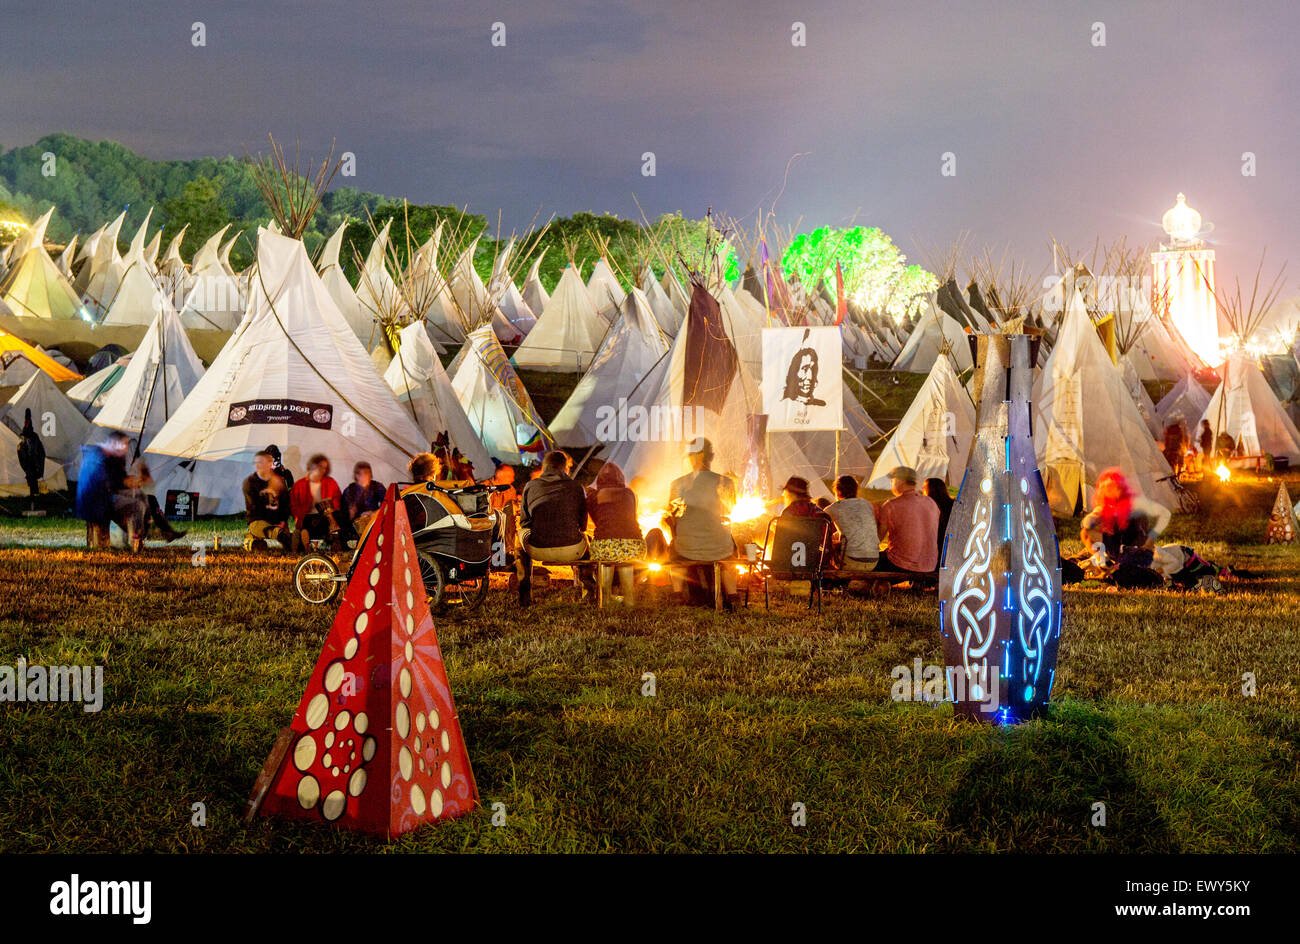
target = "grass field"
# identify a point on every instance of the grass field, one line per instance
(754, 712)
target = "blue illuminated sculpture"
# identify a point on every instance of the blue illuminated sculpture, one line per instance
(999, 570)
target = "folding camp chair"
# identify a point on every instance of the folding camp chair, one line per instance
(795, 549)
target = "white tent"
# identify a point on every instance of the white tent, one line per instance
(293, 374)
(172, 271)
(138, 299)
(381, 300)
(494, 399)
(935, 328)
(568, 332)
(12, 480)
(91, 393)
(98, 279)
(214, 298)
(606, 292)
(33, 286)
(669, 318)
(535, 294)
(631, 349)
(64, 262)
(676, 294)
(508, 298)
(702, 388)
(1146, 408)
(934, 436)
(55, 418)
(1186, 402)
(359, 319)
(418, 381)
(162, 372)
(1245, 407)
(474, 300)
(1085, 421)
(443, 321)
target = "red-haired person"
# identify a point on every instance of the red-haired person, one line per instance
(1121, 517)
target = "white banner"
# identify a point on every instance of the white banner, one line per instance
(802, 378)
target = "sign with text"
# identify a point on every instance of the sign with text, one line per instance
(292, 412)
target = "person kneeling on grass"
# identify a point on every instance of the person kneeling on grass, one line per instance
(266, 499)
(552, 521)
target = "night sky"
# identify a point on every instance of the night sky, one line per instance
(1052, 135)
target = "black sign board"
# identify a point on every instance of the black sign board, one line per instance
(181, 506)
(292, 412)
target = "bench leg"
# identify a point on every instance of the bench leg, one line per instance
(717, 586)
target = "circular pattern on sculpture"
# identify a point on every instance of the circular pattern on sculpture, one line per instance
(435, 802)
(446, 741)
(419, 722)
(333, 806)
(308, 792)
(417, 799)
(404, 762)
(357, 783)
(404, 682)
(986, 484)
(363, 620)
(350, 648)
(368, 749)
(370, 599)
(410, 651)
(446, 774)
(374, 576)
(342, 720)
(362, 723)
(304, 752)
(403, 720)
(333, 676)
(318, 710)
(410, 624)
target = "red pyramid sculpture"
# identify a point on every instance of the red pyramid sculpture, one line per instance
(375, 744)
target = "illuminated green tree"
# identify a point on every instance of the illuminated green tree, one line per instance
(876, 276)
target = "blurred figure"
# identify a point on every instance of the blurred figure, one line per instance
(107, 494)
(266, 502)
(362, 497)
(316, 503)
(1121, 518)
(274, 452)
(701, 501)
(1175, 446)
(1205, 439)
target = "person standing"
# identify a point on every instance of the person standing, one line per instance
(31, 456)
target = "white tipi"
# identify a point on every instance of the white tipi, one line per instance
(55, 418)
(1245, 407)
(934, 435)
(494, 399)
(293, 374)
(568, 332)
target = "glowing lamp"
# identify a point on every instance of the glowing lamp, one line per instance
(1181, 223)
(999, 568)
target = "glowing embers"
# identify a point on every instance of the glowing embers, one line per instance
(376, 743)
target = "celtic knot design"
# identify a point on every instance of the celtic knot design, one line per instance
(1034, 619)
(973, 619)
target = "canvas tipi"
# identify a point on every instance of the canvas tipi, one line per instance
(631, 349)
(421, 385)
(12, 479)
(1085, 421)
(1186, 402)
(934, 436)
(494, 399)
(162, 372)
(293, 374)
(568, 332)
(55, 418)
(1245, 407)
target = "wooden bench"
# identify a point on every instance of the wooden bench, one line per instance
(604, 574)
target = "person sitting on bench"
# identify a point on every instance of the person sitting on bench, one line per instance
(909, 526)
(617, 536)
(552, 521)
(855, 521)
(798, 502)
(701, 500)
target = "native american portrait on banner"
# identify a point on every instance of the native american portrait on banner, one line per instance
(802, 381)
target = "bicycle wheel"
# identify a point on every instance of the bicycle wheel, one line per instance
(1189, 503)
(434, 577)
(315, 579)
(471, 594)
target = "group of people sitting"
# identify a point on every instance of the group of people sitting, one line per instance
(560, 522)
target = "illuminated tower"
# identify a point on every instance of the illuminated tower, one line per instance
(1184, 282)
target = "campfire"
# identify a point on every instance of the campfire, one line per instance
(749, 507)
(1223, 472)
